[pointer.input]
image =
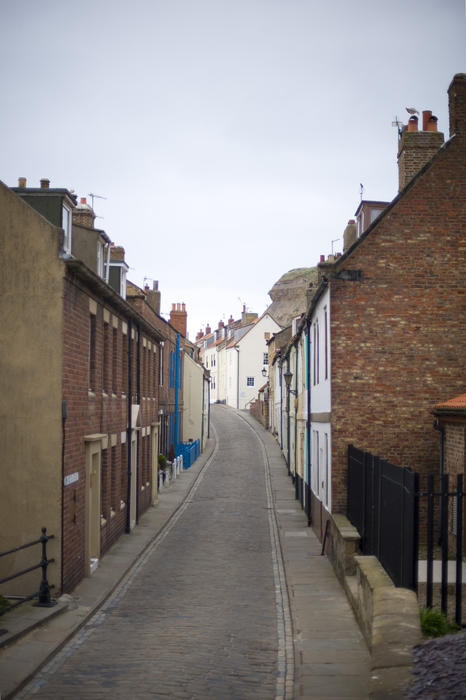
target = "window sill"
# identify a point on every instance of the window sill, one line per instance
(90, 394)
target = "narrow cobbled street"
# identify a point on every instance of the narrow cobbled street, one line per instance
(202, 615)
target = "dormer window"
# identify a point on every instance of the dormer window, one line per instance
(66, 226)
(100, 259)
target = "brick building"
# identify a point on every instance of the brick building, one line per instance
(387, 330)
(87, 377)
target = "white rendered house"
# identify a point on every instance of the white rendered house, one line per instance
(246, 358)
(320, 388)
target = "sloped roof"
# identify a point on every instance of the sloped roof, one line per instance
(455, 405)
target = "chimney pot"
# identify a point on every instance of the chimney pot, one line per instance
(45, 183)
(426, 115)
(183, 307)
(173, 307)
(22, 182)
(322, 258)
(432, 124)
(83, 200)
(412, 123)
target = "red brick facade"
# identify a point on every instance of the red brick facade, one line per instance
(96, 394)
(398, 328)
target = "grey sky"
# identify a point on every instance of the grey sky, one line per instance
(229, 137)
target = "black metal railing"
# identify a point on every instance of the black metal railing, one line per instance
(443, 539)
(382, 505)
(43, 596)
(410, 530)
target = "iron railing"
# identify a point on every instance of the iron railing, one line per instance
(43, 596)
(382, 505)
(417, 534)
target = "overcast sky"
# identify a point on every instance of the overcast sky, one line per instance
(229, 137)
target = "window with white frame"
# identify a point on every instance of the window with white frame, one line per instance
(326, 474)
(316, 352)
(249, 381)
(66, 226)
(265, 360)
(326, 347)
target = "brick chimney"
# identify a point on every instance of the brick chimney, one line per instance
(179, 318)
(350, 234)
(457, 104)
(416, 148)
(153, 297)
(83, 214)
(208, 330)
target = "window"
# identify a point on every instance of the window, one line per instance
(326, 342)
(326, 469)
(100, 259)
(249, 381)
(92, 352)
(114, 359)
(265, 360)
(161, 365)
(107, 360)
(125, 362)
(172, 369)
(66, 226)
(316, 352)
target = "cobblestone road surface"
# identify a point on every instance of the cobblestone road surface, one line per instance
(199, 617)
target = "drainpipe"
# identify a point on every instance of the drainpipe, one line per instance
(128, 431)
(308, 422)
(64, 416)
(177, 381)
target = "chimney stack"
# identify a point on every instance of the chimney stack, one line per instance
(22, 182)
(44, 184)
(153, 297)
(416, 148)
(179, 318)
(83, 214)
(457, 104)
(350, 235)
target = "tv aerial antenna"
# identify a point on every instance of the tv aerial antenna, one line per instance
(95, 196)
(399, 125)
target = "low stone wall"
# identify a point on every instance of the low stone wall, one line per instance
(388, 616)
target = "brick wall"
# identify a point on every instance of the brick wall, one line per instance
(104, 410)
(398, 335)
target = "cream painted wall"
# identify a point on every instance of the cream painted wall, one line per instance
(31, 291)
(193, 388)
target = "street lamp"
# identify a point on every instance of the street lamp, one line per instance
(288, 376)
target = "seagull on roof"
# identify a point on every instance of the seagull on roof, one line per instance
(411, 110)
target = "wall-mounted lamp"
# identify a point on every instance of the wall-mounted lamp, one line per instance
(288, 376)
(264, 371)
